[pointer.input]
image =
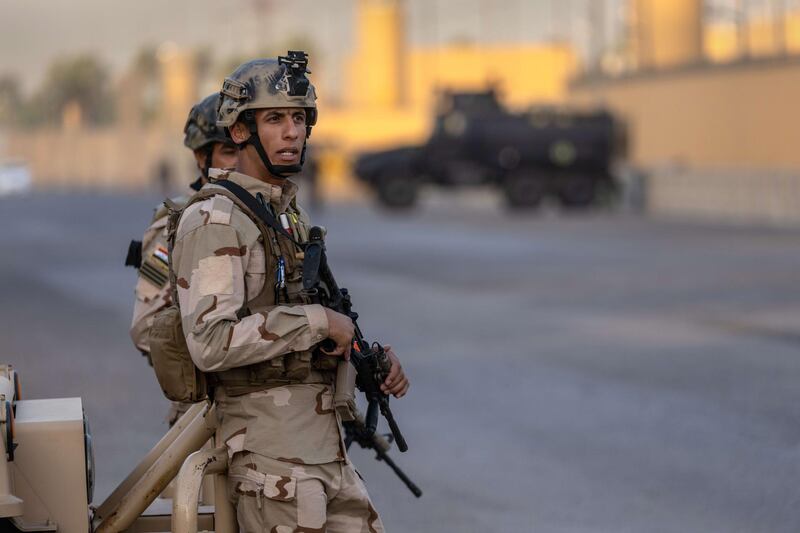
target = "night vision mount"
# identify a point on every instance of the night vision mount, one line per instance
(296, 68)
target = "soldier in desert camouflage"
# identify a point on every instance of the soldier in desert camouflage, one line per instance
(249, 326)
(212, 151)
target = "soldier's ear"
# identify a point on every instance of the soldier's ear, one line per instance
(239, 132)
(200, 159)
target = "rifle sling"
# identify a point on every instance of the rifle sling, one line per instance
(257, 208)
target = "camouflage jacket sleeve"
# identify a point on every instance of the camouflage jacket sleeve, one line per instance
(152, 286)
(220, 264)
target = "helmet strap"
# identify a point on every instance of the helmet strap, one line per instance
(198, 183)
(279, 171)
(209, 155)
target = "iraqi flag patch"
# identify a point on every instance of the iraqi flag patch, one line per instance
(155, 268)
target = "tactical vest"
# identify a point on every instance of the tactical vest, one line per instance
(171, 361)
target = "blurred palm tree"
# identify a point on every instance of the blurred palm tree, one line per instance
(10, 100)
(80, 80)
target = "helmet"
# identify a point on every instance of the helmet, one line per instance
(201, 132)
(201, 125)
(265, 83)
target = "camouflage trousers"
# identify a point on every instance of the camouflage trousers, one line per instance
(279, 497)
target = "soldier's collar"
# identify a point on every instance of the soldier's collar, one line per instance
(280, 196)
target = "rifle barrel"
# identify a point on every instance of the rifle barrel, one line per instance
(383, 456)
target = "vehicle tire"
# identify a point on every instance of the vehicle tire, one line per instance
(524, 190)
(397, 192)
(577, 191)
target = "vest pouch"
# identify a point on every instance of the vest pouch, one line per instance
(298, 365)
(267, 370)
(321, 361)
(179, 378)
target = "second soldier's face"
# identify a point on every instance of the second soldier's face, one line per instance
(282, 132)
(224, 155)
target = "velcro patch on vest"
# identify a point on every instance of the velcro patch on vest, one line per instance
(214, 275)
(155, 268)
(221, 209)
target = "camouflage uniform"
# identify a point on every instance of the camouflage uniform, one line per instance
(152, 290)
(288, 466)
(152, 287)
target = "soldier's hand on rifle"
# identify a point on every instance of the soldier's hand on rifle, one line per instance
(341, 331)
(396, 382)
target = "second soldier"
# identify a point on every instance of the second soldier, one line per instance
(212, 150)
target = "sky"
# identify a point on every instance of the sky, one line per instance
(34, 32)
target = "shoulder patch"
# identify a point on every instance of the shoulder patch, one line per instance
(155, 267)
(221, 209)
(214, 210)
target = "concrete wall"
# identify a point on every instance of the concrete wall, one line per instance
(120, 160)
(733, 129)
(104, 158)
(737, 115)
(764, 197)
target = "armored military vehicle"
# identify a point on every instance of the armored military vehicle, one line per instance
(543, 152)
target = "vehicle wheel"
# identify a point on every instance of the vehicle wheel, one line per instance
(577, 191)
(397, 192)
(524, 190)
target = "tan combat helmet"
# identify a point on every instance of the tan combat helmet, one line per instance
(201, 131)
(266, 83)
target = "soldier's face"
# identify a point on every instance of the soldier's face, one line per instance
(224, 155)
(282, 132)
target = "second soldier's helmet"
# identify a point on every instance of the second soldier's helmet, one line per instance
(201, 127)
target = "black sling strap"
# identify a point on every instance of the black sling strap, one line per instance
(256, 207)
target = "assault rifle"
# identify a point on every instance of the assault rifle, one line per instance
(356, 431)
(370, 360)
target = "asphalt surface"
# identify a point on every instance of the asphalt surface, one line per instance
(577, 373)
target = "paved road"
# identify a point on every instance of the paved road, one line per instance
(591, 373)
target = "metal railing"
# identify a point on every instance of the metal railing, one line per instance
(187, 492)
(135, 494)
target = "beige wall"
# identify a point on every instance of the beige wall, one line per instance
(118, 159)
(717, 142)
(108, 158)
(763, 196)
(741, 116)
